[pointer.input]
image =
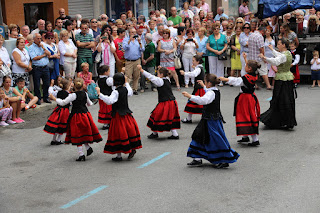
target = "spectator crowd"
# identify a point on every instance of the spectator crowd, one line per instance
(75, 47)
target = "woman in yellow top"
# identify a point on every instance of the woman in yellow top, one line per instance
(281, 113)
(235, 52)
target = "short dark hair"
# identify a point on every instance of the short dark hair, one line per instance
(103, 69)
(19, 80)
(120, 30)
(118, 79)
(180, 30)
(55, 22)
(198, 58)
(285, 42)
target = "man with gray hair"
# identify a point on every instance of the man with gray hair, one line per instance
(148, 62)
(220, 13)
(173, 31)
(41, 26)
(163, 15)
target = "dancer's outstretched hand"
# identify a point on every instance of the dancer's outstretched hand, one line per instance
(186, 94)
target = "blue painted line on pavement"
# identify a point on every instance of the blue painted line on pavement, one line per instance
(154, 160)
(83, 197)
(269, 99)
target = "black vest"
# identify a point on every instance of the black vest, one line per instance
(165, 92)
(104, 88)
(199, 77)
(62, 94)
(121, 106)
(79, 105)
(212, 110)
(293, 69)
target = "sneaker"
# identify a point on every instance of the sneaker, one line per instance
(10, 122)
(22, 121)
(186, 121)
(195, 163)
(26, 108)
(3, 123)
(33, 106)
(17, 121)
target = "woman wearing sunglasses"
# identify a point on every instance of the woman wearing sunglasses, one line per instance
(243, 39)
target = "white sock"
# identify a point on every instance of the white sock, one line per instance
(105, 125)
(118, 155)
(197, 159)
(54, 137)
(154, 133)
(87, 146)
(80, 150)
(174, 132)
(59, 137)
(189, 118)
(254, 138)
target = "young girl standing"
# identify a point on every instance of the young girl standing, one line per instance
(247, 108)
(81, 128)
(124, 134)
(58, 120)
(165, 117)
(197, 74)
(315, 68)
(105, 84)
(208, 139)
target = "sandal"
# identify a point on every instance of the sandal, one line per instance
(178, 88)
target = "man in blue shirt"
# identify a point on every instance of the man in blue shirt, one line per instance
(39, 56)
(133, 48)
(220, 13)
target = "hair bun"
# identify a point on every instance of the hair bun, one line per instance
(78, 83)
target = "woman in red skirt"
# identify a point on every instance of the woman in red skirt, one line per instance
(81, 128)
(165, 117)
(124, 134)
(58, 120)
(246, 107)
(198, 74)
(105, 84)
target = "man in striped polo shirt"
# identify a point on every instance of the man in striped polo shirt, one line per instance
(85, 43)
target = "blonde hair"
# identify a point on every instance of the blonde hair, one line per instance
(84, 64)
(64, 84)
(63, 33)
(78, 83)
(315, 52)
(202, 29)
(29, 38)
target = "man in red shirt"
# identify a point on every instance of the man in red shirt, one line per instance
(120, 61)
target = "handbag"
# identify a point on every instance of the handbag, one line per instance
(177, 62)
(4, 70)
(223, 55)
(98, 57)
(92, 92)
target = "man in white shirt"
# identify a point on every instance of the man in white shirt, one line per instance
(173, 31)
(41, 26)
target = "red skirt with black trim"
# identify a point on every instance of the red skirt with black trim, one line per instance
(58, 121)
(296, 74)
(123, 136)
(82, 129)
(192, 107)
(165, 117)
(104, 114)
(247, 112)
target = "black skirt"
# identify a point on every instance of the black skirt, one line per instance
(282, 111)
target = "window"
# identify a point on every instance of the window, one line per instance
(34, 12)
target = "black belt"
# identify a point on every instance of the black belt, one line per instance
(133, 60)
(41, 67)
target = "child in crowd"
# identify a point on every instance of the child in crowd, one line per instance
(54, 86)
(58, 120)
(85, 75)
(5, 110)
(208, 139)
(81, 128)
(30, 40)
(15, 102)
(197, 74)
(247, 107)
(295, 63)
(23, 90)
(105, 84)
(165, 117)
(124, 134)
(315, 69)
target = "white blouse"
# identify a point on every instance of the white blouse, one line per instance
(207, 98)
(113, 98)
(71, 97)
(111, 56)
(194, 73)
(279, 58)
(24, 57)
(154, 79)
(189, 49)
(4, 56)
(315, 66)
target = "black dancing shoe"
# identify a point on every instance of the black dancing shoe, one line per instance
(132, 153)
(53, 143)
(195, 163)
(117, 159)
(173, 137)
(59, 142)
(89, 151)
(153, 136)
(81, 158)
(221, 165)
(186, 121)
(105, 127)
(135, 92)
(243, 140)
(255, 143)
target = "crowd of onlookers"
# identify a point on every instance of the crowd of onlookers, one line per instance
(75, 47)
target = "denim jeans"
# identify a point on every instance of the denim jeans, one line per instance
(44, 74)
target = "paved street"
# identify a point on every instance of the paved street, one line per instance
(282, 175)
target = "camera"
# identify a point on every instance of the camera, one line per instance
(135, 36)
(189, 39)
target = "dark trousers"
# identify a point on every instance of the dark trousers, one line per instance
(44, 74)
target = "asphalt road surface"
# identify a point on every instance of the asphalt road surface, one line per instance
(281, 175)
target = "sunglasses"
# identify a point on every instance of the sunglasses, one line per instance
(246, 28)
(229, 28)
(103, 18)
(216, 28)
(50, 38)
(94, 22)
(239, 22)
(165, 33)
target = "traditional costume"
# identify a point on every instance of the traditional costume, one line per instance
(105, 83)
(282, 106)
(124, 134)
(198, 74)
(165, 117)
(208, 139)
(295, 66)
